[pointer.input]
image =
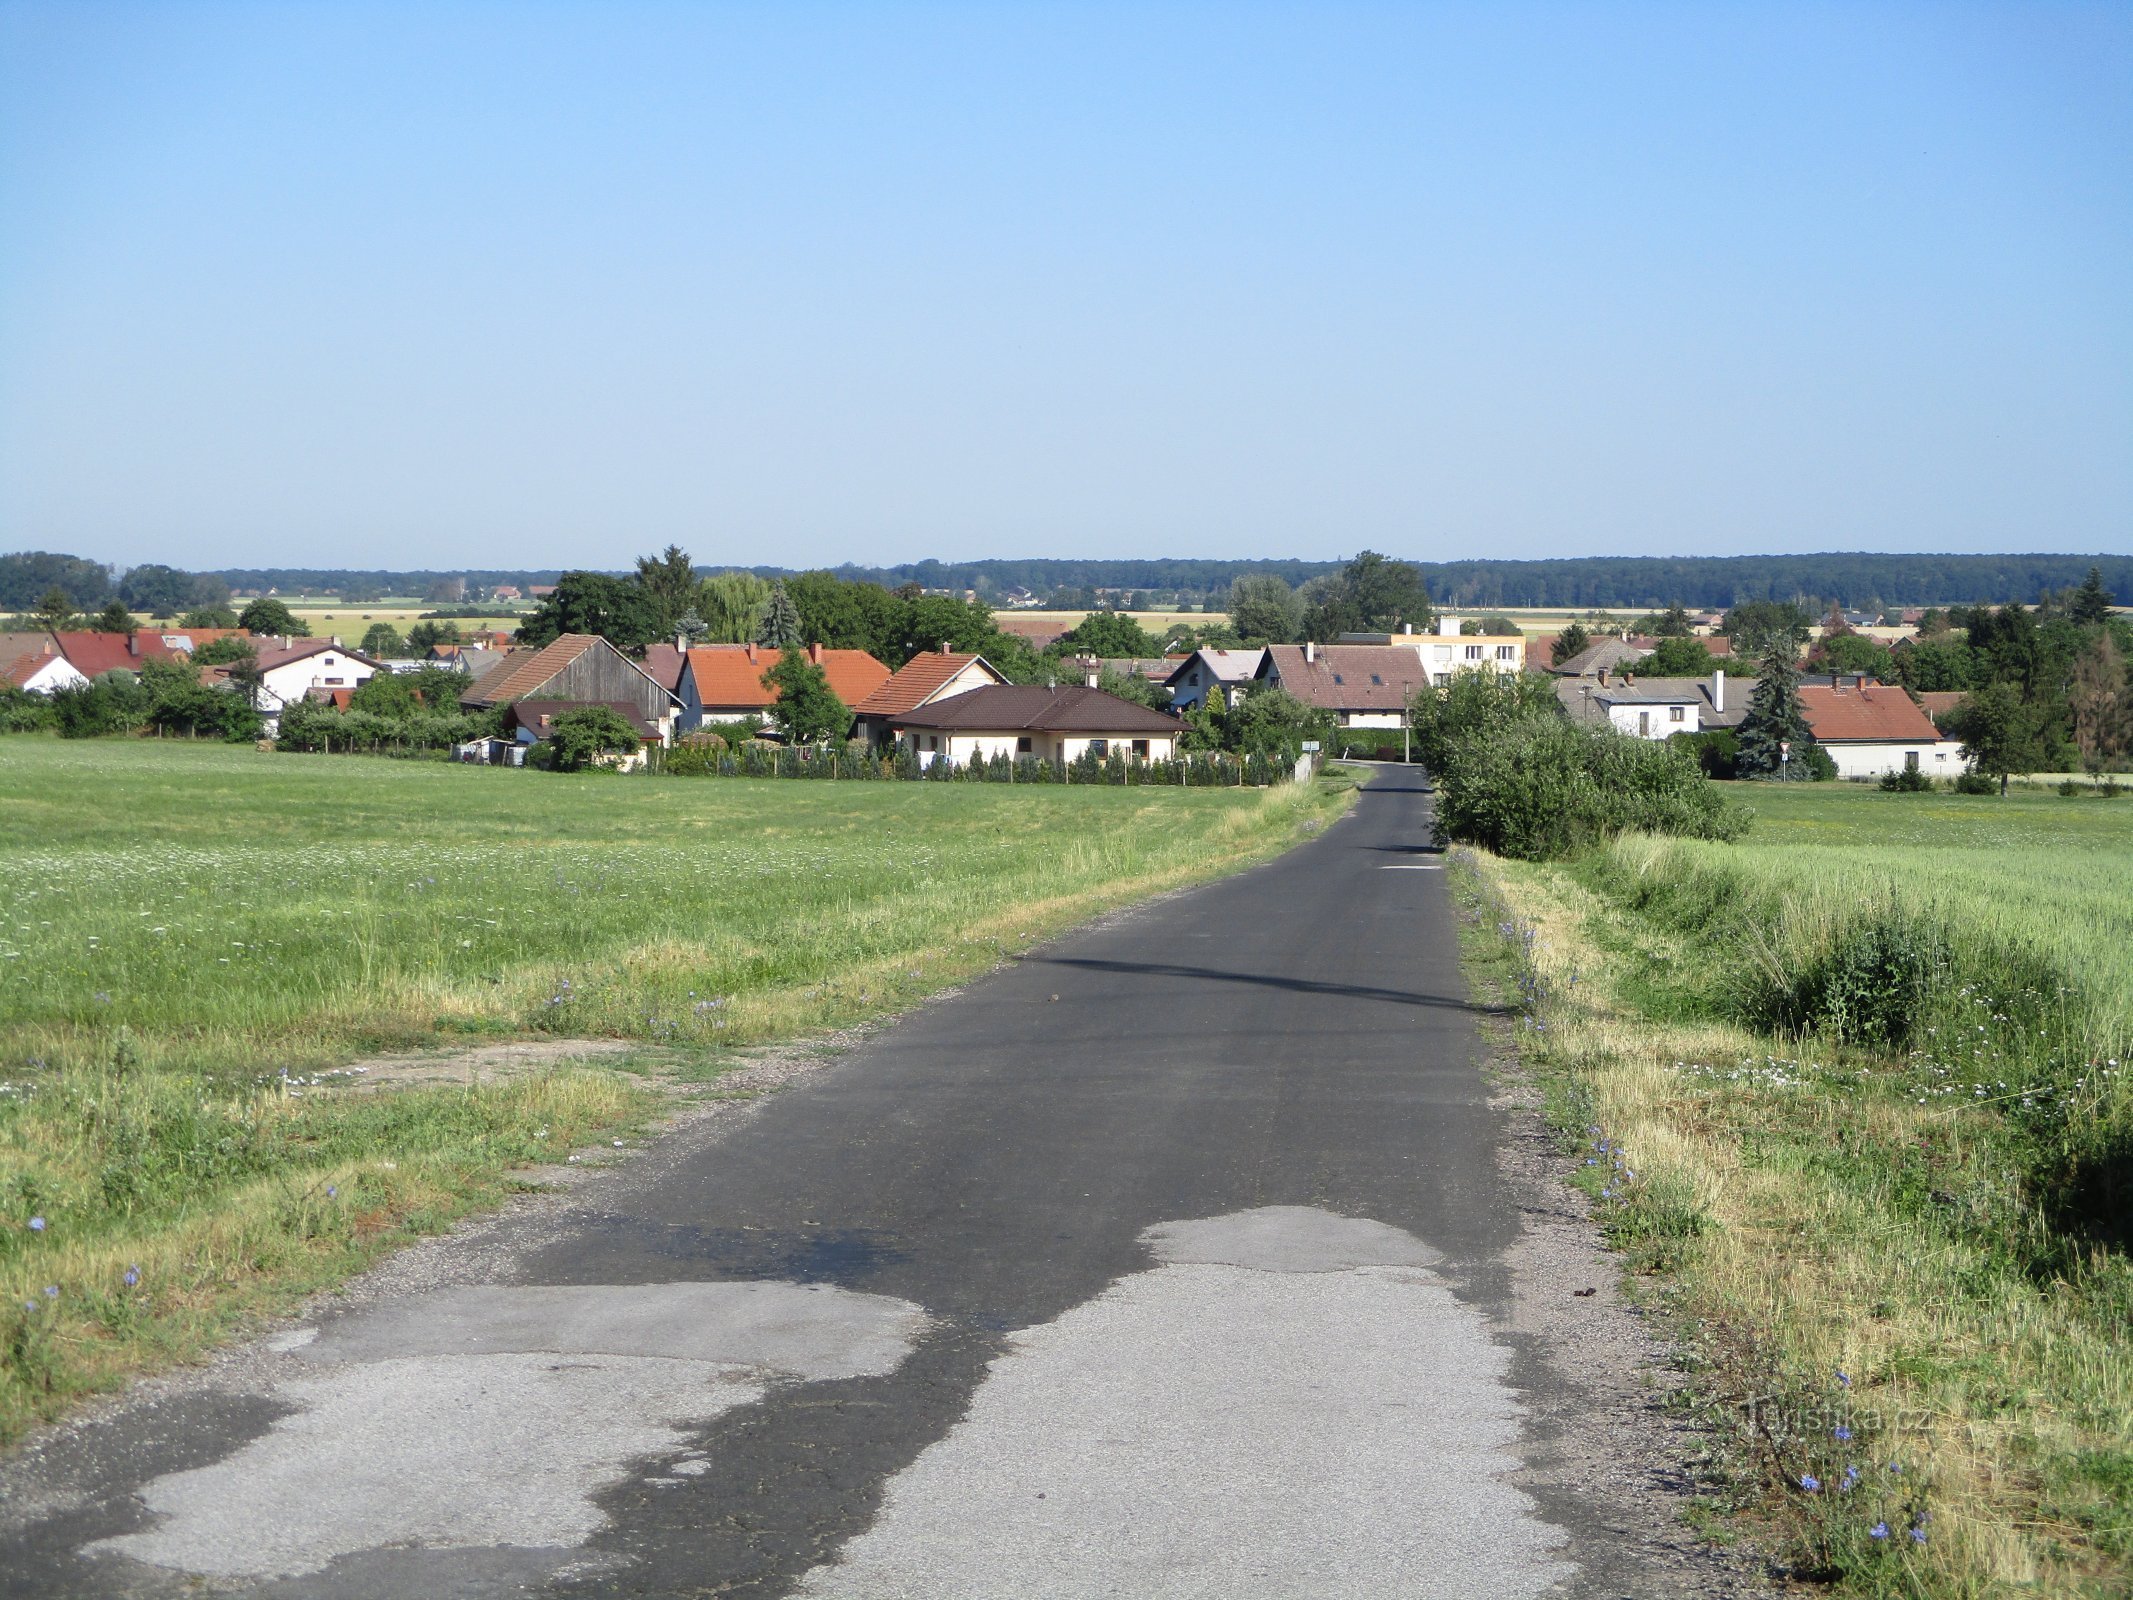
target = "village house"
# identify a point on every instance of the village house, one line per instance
(1609, 653)
(1222, 675)
(290, 669)
(1655, 708)
(724, 682)
(936, 675)
(1363, 685)
(1051, 723)
(579, 669)
(33, 662)
(1448, 650)
(1871, 729)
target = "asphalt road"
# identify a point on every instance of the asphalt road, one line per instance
(1160, 1263)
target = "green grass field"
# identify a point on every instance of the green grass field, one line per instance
(1863, 1127)
(181, 925)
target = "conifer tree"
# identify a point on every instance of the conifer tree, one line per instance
(1775, 718)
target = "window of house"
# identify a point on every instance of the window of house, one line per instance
(1100, 748)
(1506, 652)
(1140, 747)
(1677, 713)
(1910, 761)
(1337, 678)
(1380, 682)
(1444, 652)
(1022, 747)
(1473, 652)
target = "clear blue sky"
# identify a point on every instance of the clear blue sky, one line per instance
(521, 284)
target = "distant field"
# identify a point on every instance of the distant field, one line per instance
(1156, 622)
(188, 933)
(351, 622)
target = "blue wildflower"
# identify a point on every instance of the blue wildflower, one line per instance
(1842, 1435)
(51, 1291)
(36, 1224)
(1844, 1379)
(132, 1276)
(1810, 1482)
(1879, 1530)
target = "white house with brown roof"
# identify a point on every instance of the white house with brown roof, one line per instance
(33, 661)
(1363, 685)
(936, 675)
(1872, 728)
(290, 669)
(1062, 723)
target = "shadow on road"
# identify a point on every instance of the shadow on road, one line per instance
(1159, 969)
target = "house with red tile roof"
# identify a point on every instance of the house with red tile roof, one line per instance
(936, 675)
(1872, 728)
(94, 654)
(32, 661)
(724, 682)
(1051, 723)
(578, 669)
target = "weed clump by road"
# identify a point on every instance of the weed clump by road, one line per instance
(1851, 1102)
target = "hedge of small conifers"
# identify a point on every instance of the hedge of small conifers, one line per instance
(860, 761)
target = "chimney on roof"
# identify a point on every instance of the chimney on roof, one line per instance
(1603, 677)
(1718, 688)
(1407, 627)
(946, 648)
(814, 652)
(1092, 672)
(751, 653)
(1310, 653)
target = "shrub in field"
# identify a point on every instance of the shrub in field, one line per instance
(23, 712)
(585, 737)
(1538, 789)
(1909, 781)
(1475, 703)
(1717, 751)
(1975, 783)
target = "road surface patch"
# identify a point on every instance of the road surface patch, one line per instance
(489, 1417)
(1288, 1402)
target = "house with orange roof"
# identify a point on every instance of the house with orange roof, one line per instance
(936, 675)
(724, 682)
(1871, 728)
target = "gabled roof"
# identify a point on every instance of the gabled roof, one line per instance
(1070, 709)
(1839, 713)
(663, 663)
(1587, 699)
(23, 655)
(1937, 703)
(1038, 632)
(274, 653)
(1349, 677)
(730, 676)
(1223, 666)
(93, 654)
(918, 680)
(526, 670)
(1609, 652)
